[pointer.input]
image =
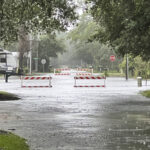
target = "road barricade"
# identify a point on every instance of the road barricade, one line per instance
(85, 69)
(83, 74)
(62, 71)
(90, 84)
(35, 82)
(62, 74)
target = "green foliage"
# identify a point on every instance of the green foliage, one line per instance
(12, 46)
(86, 52)
(141, 68)
(106, 74)
(137, 67)
(5, 96)
(49, 47)
(85, 29)
(25, 70)
(47, 15)
(146, 93)
(10, 141)
(116, 74)
(125, 24)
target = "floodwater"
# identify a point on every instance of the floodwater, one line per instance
(116, 117)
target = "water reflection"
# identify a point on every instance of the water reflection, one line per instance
(106, 124)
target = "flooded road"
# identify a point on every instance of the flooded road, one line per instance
(66, 118)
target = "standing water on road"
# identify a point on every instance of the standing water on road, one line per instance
(116, 117)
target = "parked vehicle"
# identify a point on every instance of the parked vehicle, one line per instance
(9, 64)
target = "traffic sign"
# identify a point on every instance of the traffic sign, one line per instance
(43, 61)
(112, 58)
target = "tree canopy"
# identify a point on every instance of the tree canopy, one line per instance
(125, 24)
(50, 47)
(84, 53)
(47, 15)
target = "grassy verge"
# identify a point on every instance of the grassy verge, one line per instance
(111, 74)
(146, 93)
(4, 96)
(9, 141)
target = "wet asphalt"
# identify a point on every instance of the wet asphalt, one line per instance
(66, 118)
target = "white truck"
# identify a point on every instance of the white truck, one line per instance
(9, 64)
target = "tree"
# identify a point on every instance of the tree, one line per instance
(20, 17)
(125, 25)
(24, 45)
(85, 53)
(47, 15)
(137, 67)
(49, 47)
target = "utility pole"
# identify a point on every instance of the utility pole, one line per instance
(127, 68)
(30, 40)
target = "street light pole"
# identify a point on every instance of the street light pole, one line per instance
(37, 53)
(30, 39)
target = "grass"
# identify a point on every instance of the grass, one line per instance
(9, 141)
(115, 74)
(5, 96)
(110, 74)
(146, 93)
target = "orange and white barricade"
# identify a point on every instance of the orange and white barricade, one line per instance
(62, 71)
(83, 74)
(95, 81)
(85, 69)
(35, 82)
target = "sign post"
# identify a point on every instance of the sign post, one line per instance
(43, 62)
(112, 59)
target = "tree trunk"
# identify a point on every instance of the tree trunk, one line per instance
(23, 46)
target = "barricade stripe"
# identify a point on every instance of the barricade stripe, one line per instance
(89, 86)
(88, 77)
(62, 69)
(84, 69)
(62, 73)
(36, 86)
(37, 78)
(83, 74)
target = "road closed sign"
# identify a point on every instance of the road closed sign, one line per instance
(43, 61)
(112, 58)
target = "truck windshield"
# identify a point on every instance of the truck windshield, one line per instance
(2, 58)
